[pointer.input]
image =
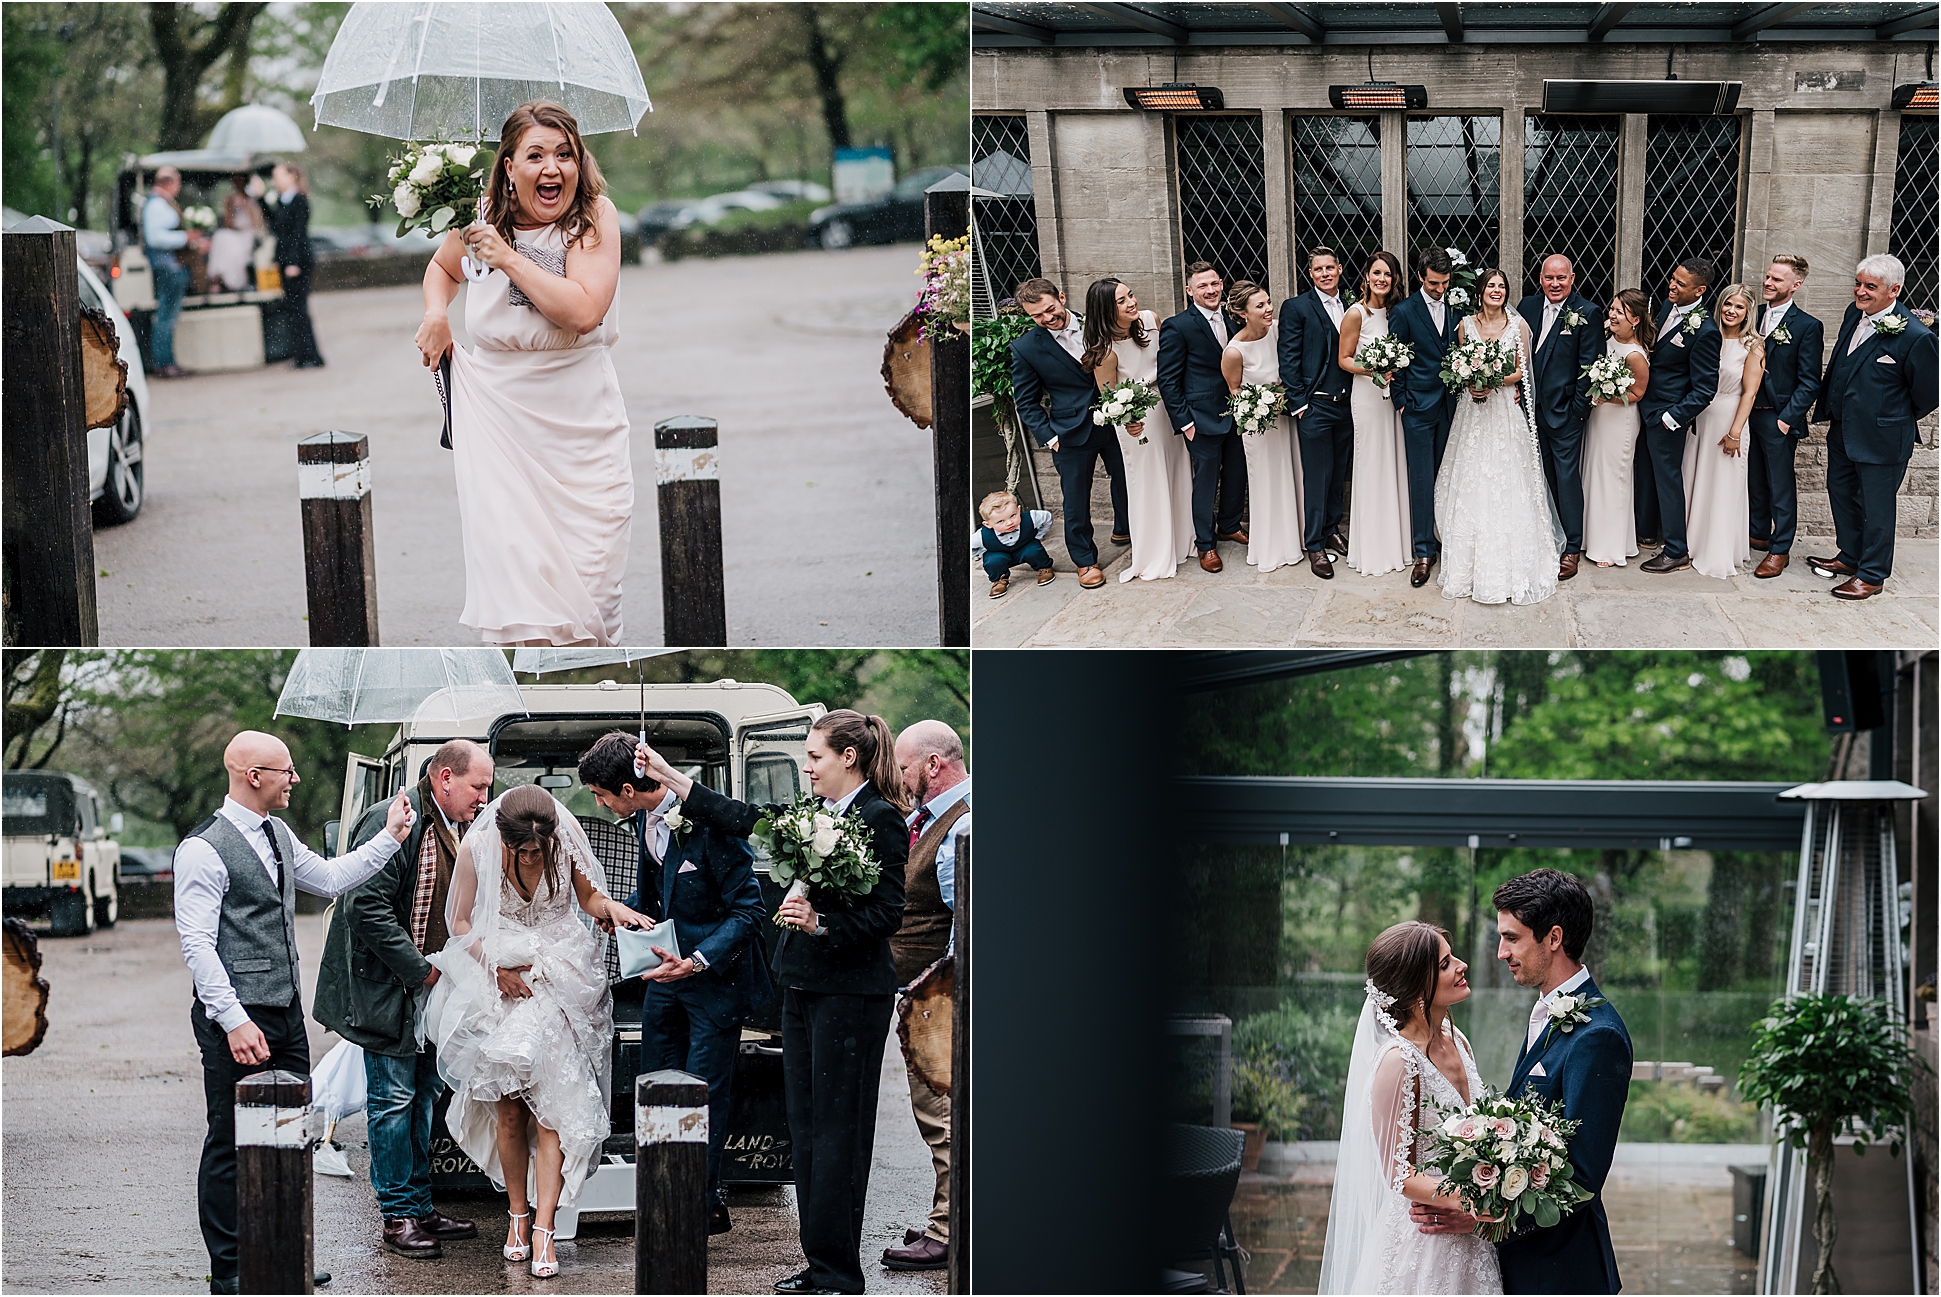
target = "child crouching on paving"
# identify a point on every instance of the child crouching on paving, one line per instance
(1008, 538)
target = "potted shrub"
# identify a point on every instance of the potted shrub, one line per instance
(1266, 1103)
(1830, 1065)
(991, 376)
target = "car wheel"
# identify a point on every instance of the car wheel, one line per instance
(106, 910)
(122, 493)
(837, 235)
(71, 914)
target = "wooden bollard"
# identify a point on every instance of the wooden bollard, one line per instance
(275, 1203)
(958, 1262)
(49, 531)
(339, 555)
(687, 471)
(670, 1183)
(946, 212)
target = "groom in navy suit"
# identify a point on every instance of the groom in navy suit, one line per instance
(1568, 334)
(705, 881)
(1543, 921)
(1195, 392)
(1794, 351)
(1317, 397)
(1684, 379)
(1879, 384)
(1054, 395)
(1428, 324)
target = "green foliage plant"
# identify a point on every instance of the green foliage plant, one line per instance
(1264, 1092)
(991, 376)
(1310, 1051)
(1831, 1065)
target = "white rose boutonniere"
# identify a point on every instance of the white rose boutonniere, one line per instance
(1780, 336)
(1574, 319)
(1568, 1013)
(1891, 326)
(1694, 319)
(677, 824)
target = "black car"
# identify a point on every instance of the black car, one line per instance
(892, 217)
(147, 864)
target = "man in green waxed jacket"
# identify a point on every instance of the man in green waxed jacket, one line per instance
(367, 990)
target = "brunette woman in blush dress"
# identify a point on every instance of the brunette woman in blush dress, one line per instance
(1273, 468)
(1122, 341)
(1611, 437)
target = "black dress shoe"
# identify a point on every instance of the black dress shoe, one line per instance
(233, 1284)
(1665, 563)
(1419, 574)
(439, 1225)
(320, 1278)
(718, 1222)
(797, 1282)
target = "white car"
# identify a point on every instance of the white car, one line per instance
(115, 454)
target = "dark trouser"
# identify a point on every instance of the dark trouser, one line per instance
(1219, 469)
(677, 1033)
(1563, 470)
(1032, 554)
(1423, 438)
(1644, 490)
(1770, 483)
(1327, 436)
(296, 305)
(1864, 499)
(215, 1185)
(171, 281)
(402, 1092)
(832, 1057)
(1666, 453)
(1075, 468)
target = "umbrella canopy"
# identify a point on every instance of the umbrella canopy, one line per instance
(361, 686)
(256, 128)
(538, 661)
(454, 70)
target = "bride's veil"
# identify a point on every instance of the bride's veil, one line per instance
(1360, 1182)
(1528, 406)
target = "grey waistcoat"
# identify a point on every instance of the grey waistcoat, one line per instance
(256, 937)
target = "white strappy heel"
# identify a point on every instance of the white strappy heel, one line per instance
(517, 1251)
(544, 1269)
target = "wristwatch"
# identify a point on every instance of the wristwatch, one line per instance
(700, 962)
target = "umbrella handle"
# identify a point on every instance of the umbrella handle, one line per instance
(640, 771)
(473, 270)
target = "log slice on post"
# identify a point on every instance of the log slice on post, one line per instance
(104, 373)
(23, 991)
(923, 1020)
(906, 370)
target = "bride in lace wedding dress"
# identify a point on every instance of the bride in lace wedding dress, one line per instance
(1406, 1061)
(1499, 530)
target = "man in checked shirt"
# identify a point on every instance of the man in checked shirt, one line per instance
(374, 964)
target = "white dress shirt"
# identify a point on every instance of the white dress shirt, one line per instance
(657, 827)
(947, 849)
(1673, 319)
(1865, 329)
(1333, 303)
(1550, 312)
(202, 880)
(1072, 336)
(1774, 314)
(1214, 322)
(1038, 519)
(1436, 306)
(1540, 1015)
(840, 807)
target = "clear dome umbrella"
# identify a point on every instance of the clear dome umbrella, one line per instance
(353, 686)
(256, 128)
(450, 70)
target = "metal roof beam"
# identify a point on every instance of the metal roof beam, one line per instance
(1133, 17)
(1228, 669)
(1759, 20)
(1299, 19)
(1451, 15)
(991, 22)
(1607, 17)
(1928, 17)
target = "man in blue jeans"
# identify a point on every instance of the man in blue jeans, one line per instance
(162, 235)
(374, 964)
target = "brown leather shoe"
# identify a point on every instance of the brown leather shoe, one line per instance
(1756, 543)
(1121, 538)
(439, 1225)
(1045, 576)
(1830, 566)
(1567, 566)
(1210, 561)
(925, 1254)
(1090, 578)
(1238, 535)
(1854, 588)
(1771, 565)
(406, 1237)
(1001, 586)
(1419, 574)
(1318, 560)
(1665, 563)
(1336, 543)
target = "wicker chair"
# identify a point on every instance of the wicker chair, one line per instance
(1202, 1169)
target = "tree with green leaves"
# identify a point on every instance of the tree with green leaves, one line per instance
(189, 43)
(33, 698)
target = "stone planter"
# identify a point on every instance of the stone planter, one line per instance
(1256, 1140)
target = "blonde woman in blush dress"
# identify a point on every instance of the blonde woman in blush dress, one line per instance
(1611, 437)
(1122, 341)
(1718, 510)
(1273, 469)
(539, 427)
(1381, 539)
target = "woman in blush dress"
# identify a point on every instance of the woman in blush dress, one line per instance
(1379, 536)
(1611, 436)
(1718, 511)
(1273, 468)
(1122, 341)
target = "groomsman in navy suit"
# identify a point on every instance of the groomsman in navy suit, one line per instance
(1195, 392)
(1879, 383)
(1054, 396)
(1567, 329)
(1684, 379)
(1428, 324)
(1794, 347)
(1317, 397)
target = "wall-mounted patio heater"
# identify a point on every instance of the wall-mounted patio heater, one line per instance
(1846, 941)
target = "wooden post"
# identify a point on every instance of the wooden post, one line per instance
(958, 1266)
(49, 530)
(275, 1204)
(946, 212)
(687, 469)
(670, 1183)
(339, 557)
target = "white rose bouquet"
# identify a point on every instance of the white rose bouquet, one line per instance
(1611, 379)
(813, 850)
(1256, 405)
(435, 186)
(1461, 293)
(1477, 364)
(1125, 402)
(199, 218)
(1507, 1159)
(1382, 356)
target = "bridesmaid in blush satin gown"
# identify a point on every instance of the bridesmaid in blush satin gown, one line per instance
(1611, 437)
(1252, 355)
(1122, 341)
(1718, 508)
(1380, 535)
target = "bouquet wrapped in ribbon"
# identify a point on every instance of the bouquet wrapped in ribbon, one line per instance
(811, 849)
(1611, 379)
(1477, 364)
(1256, 405)
(1506, 1159)
(1382, 356)
(1124, 402)
(437, 186)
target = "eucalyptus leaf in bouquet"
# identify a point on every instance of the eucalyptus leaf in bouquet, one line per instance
(436, 186)
(1507, 1159)
(1256, 405)
(813, 850)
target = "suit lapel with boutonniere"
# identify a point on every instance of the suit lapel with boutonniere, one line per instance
(1567, 1014)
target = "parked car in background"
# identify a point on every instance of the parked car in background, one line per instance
(892, 217)
(793, 190)
(147, 864)
(60, 863)
(656, 219)
(712, 209)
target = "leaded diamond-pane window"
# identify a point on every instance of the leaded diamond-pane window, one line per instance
(1454, 168)
(1691, 197)
(1337, 190)
(1222, 195)
(1917, 193)
(1006, 248)
(1570, 192)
